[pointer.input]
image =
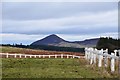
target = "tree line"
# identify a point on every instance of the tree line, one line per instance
(109, 43)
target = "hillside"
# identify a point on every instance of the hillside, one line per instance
(49, 40)
(54, 40)
(88, 41)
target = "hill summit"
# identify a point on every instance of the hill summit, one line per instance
(49, 40)
(54, 40)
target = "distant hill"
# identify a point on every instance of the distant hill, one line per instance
(54, 40)
(49, 40)
(88, 42)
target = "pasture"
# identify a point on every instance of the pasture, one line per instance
(51, 68)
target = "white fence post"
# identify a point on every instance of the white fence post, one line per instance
(34, 56)
(39, 56)
(43, 56)
(112, 63)
(61, 55)
(95, 53)
(100, 58)
(119, 61)
(20, 55)
(25, 56)
(67, 56)
(115, 51)
(91, 56)
(94, 58)
(49, 56)
(73, 56)
(106, 59)
(55, 56)
(7, 55)
(86, 53)
(30, 56)
(15, 56)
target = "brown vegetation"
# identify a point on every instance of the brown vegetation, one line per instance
(32, 51)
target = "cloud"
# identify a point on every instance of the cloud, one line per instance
(19, 38)
(88, 36)
(77, 24)
(47, 10)
(27, 22)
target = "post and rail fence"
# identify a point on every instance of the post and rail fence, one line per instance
(92, 55)
(7, 55)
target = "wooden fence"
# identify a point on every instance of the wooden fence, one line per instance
(38, 56)
(93, 55)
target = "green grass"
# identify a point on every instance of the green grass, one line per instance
(50, 68)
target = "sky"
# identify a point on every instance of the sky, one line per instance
(26, 22)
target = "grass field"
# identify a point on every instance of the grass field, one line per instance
(51, 68)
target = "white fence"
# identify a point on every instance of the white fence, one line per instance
(39, 56)
(93, 55)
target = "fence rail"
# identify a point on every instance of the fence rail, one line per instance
(93, 55)
(39, 56)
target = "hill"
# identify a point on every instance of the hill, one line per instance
(49, 40)
(88, 42)
(54, 40)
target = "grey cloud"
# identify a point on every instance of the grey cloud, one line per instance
(59, 18)
(70, 30)
(41, 10)
(42, 18)
(89, 24)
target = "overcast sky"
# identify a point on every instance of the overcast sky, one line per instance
(25, 22)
